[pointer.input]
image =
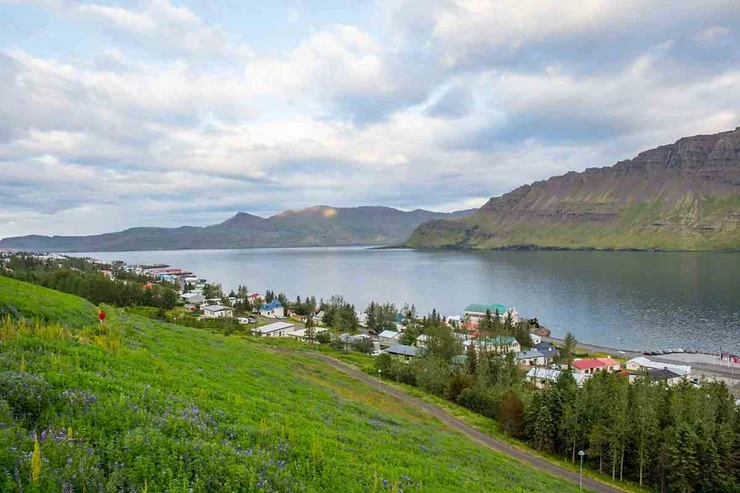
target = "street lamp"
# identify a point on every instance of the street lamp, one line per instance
(380, 372)
(581, 453)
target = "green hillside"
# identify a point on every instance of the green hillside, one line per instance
(684, 196)
(139, 405)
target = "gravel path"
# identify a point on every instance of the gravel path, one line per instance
(454, 423)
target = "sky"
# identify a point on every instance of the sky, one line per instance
(166, 112)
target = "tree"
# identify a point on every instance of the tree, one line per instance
(472, 357)
(442, 343)
(511, 413)
(567, 354)
(310, 330)
(683, 467)
(542, 424)
(644, 419)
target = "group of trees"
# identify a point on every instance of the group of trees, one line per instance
(81, 277)
(681, 438)
(339, 314)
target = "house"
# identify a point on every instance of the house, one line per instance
(590, 366)
(272, 309)
(362, 319)
(658, 375)
(301, 333)
(531, 357)
(402, 352)
(477, 311)
(352, 340)
(499, 344)
(642, 363)
(217, 311)
(389, 337)
(535, 339)
(541, 377)
(193, 298)
(422, 341)
(277, 329)
(550, 351)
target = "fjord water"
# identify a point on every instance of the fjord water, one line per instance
(631, 300)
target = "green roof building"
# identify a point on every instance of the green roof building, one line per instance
(482, 308)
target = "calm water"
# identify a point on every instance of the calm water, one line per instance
(621, 299)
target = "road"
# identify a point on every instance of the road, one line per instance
(456, 424)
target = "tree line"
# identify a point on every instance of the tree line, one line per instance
(683, 438)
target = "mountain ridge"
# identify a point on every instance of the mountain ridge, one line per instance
(312, 226)
(683, 196)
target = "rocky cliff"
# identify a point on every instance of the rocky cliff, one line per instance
(682, 196)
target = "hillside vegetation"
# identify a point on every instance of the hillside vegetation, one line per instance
(314, 226)
(684, 196)
(141, 405)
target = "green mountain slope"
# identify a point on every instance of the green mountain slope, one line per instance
(138, 405)
(683, 196)
(314, 226)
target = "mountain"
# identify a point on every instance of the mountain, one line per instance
(683, 196)
(314, 226)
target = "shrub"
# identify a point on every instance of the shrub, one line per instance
(28, 396)
(456, 384)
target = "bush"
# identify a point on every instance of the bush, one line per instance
(479, 401)
(456, 384)
(28, 396)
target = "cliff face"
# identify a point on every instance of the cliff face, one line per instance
(315, 226)
(683, 196)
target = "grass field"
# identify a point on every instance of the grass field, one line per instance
(140, 405)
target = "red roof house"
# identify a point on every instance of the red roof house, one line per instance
(592, 365)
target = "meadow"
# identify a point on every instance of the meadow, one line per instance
(146, 406)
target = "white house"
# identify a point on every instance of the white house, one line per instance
(422, 341)
(277, 329)
(272, 309)
(217, 311)
(389, 337)
(535, 339)
(499, 344)
(658, 375)
(531, 358)
(301, 333)
(193, 298)
(546, 376)
(642, 363)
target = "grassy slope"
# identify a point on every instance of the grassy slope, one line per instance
(177, 408)
(635, 229)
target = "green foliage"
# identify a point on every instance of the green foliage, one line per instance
(178, 409)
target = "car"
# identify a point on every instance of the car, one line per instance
(252, 320)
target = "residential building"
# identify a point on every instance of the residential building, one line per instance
(657, 375)
(277, 329)
(643, 363)
(550, 351)
(193, 298)
(301, 333)
(217, 311)
(536, 339)
(499, 344)
(389, 337)
(531, 357)
(272, 309)
(422, 341)
(402, 352)
(590, 366)
(547, 376)
(477, 311)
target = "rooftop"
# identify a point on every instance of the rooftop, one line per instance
(591, 363)
(483, 308)
(402, 350)
(216, 308)
(266, 329)
(389, 334)
(531, 354)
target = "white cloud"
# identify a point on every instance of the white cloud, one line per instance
(712, 34)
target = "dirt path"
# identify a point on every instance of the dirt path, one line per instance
(454, 423)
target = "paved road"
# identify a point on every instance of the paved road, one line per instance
(452, 422)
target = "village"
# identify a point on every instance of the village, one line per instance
(540, 357)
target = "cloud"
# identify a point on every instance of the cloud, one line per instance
(156, 109)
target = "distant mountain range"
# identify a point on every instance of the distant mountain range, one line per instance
(314, 226)
(683, 196)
